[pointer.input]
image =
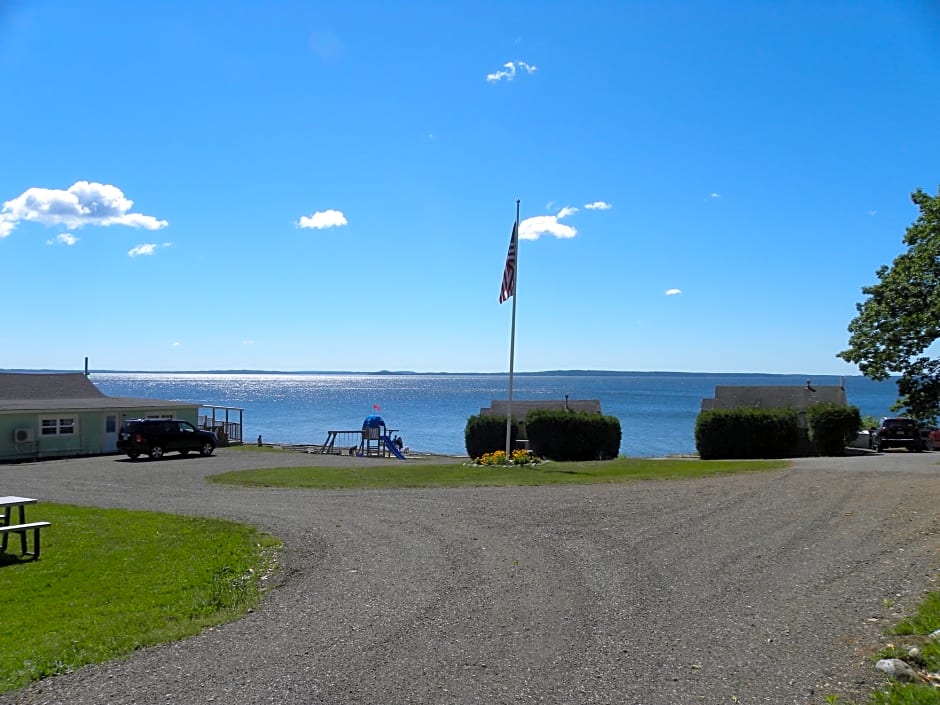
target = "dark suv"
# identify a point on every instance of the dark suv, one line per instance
(898, 433)
(156, 437)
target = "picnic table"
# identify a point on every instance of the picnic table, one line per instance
(22, 527)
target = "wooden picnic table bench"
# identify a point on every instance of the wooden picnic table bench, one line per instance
(22, 527)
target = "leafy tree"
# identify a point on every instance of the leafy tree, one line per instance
(900, 319)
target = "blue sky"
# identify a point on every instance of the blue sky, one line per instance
(704, 186)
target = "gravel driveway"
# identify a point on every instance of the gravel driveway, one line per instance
(759, 588)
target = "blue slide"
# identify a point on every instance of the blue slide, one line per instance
(392, 447)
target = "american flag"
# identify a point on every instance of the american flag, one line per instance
(509, 274)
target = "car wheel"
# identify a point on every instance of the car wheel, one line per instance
(207, 448)
(133, 456)
(155, 452)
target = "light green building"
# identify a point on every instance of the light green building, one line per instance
(48, 415)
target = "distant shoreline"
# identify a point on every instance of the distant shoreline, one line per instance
(403, 373)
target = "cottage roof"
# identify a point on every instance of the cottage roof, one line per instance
(774, 397)
(61, 385)
(56, 391)
(520, 407)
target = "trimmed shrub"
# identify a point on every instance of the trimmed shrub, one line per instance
(832, 427)
(746, 432)
(485, 434)
(572, 435)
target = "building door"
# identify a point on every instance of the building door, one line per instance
(109, 437)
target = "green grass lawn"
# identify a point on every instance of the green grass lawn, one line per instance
(111, 581)
(454, 474)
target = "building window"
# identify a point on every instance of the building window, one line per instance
(58, 426)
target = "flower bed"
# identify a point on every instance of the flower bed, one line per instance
(498, 457)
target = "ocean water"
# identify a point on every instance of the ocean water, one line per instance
(657, 410)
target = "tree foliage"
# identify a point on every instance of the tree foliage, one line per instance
(900, 319)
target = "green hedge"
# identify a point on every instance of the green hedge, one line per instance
(572, 435)
(746, 433)
(832, 427)
(485, 434)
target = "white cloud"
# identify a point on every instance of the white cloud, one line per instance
(322, 219)
(509, 70)
(176, 344)
(84, 203)
(63, 239)
(673, 292)
(714, 196)
(148, 248)
(536, 226)
(145, 249)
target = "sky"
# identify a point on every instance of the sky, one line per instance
(702, 186)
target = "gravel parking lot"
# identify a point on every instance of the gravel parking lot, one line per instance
(759, 588)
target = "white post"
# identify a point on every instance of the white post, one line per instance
(512, 338)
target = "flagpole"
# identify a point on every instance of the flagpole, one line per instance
(512, 339)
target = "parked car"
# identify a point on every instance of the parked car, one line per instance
(156, 437)
(931, 438)
(898, 433)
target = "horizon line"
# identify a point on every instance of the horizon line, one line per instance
(571, 371)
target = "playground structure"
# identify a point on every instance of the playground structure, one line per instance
(372, 441)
